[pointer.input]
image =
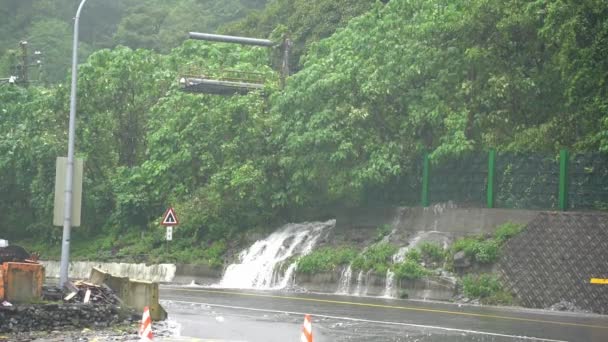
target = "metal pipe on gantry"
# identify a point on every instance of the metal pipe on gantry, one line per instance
(231, 39)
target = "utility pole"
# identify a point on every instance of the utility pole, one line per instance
(24, 63)
(21, 64)
(287, 44)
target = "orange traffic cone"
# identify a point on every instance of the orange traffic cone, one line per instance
(306, 329)
(145, 329)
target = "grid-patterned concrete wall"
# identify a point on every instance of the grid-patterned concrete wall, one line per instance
(553, 259)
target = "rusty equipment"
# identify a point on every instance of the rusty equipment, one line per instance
(21, 276)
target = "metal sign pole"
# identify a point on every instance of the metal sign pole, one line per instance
(67, 209)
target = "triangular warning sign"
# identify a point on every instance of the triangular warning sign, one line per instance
(170, 219)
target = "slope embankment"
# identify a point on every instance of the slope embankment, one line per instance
(554, 258)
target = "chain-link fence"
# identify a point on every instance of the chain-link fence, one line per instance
(461, 180)
(588, 185)
(527, 181)
(518, 180)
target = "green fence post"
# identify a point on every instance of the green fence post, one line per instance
(491, 171)
(563, 180)
(425, 180)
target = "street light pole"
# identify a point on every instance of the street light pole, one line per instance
(67, 213)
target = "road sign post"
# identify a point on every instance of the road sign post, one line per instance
(169, 220)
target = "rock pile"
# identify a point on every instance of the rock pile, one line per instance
(48, 317)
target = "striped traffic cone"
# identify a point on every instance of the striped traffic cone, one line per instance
(145, 329)
(306, 329)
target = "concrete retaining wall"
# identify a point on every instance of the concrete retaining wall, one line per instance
(445, 217)
(555, 257)
(82, 270)
(432, 288)
(199, 274)
(164, 273)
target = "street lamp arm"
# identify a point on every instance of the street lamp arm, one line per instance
(79, 9)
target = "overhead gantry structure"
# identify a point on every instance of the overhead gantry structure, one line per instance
(230, 82)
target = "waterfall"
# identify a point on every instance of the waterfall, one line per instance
(345, 280)
(367, 282)
(412, 242)
(433, 236)
(390, 283)
(359, 282)
(258, 265)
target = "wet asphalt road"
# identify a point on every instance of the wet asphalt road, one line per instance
(234, 315)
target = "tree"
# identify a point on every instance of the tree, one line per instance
(305, 21)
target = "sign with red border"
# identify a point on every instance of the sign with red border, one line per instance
(169, 218)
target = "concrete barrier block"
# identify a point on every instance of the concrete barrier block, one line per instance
(135, 294)
(144, 293)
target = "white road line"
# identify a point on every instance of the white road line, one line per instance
(369, 321)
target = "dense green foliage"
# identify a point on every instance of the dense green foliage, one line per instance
(432, 253)
(487, 288)
(146, 145)
(400, 78)
(506, 231)
(479, 249)
(326, 259)
(382, 231)
(151, 24)
(410, 270)
(378, 258)
(483, 249)
(303, 21)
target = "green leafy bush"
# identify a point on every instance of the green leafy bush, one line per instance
(382, 231)
(213, 255)
(482, 251)
(480, 286)
(486, 250)
(487, 288)
(506, 231)
(432, 252)
(326, 259)
(413, 255)
(377, 257)
(410, 269)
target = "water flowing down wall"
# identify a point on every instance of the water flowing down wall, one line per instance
(261, 265)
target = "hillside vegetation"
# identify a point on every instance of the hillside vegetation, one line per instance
(150, 24)
(400, 78)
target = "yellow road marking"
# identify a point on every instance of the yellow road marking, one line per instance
(384, 306)
(599, 281)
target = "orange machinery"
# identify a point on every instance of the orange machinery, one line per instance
(20, 279)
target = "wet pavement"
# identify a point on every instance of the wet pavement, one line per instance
(234, 315)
